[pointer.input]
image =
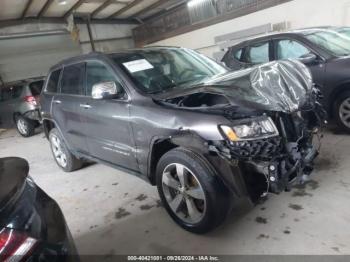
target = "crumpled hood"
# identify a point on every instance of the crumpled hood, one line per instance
(283, 86)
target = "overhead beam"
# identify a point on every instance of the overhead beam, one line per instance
(34, 34)
(108, 39)
(151, 7)
(126, 8)
(24, 13)
(45, 8)
(58, 20)
(74, 7)
(101, 7)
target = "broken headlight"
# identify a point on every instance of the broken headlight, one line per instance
(252, 129)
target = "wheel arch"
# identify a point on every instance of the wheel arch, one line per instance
(339, 90)
(227, 173)
(15, 115)
(159, 147)
(48, 125)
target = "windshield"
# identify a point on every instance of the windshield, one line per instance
(344, 30)
(157, 71)
(336, 43)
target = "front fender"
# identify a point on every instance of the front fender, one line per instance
(227, 171)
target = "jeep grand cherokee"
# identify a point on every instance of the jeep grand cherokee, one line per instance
(203, 135)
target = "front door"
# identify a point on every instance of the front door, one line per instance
(107, 122)
(293, 49)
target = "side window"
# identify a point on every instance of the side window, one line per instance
(258, 54)
(72, 82)
(96, 73)
(52, 84)
(238, 54)
(289, 49)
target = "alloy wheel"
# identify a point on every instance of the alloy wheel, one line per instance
(184, 193)
(22, 126)
(344, 112)
(58, 152)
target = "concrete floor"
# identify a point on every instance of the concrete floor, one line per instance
(110, 212)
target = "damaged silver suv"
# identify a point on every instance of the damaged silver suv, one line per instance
(205, 136)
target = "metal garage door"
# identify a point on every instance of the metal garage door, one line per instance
(32, 55)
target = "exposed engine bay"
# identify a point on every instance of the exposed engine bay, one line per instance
(281, 92)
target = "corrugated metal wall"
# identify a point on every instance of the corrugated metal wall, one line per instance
(27, 57)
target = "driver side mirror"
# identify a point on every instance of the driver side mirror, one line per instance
(308, 59)
(105, 90)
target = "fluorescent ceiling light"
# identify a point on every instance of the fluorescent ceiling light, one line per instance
(62, 2)
(193, 3)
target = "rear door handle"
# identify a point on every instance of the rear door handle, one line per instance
(57, 101)
(86, 106)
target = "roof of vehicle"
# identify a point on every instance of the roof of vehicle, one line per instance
(302, 31)
(91, 55)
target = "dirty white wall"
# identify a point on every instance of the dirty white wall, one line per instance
(27, 57)
(300, 13)
(108, 38)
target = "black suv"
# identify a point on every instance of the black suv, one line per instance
(203, 135)
(325, 51)
(32, 226)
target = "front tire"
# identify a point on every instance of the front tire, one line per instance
(190, 191)
(63, 157)
(25, 126)
(342, 111)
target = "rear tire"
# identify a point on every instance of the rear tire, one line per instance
(342, 111)
(63, 157)
(190, 191)
(25, 126)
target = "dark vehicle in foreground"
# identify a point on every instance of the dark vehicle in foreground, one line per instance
(325, 51)
(32, 226)
(203, 135)
(19, 105)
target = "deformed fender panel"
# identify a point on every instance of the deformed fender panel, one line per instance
(228, 171)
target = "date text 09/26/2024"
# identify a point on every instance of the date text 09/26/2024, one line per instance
(173, 258)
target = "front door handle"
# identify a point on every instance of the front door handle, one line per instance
(57, 101)
(86, 106)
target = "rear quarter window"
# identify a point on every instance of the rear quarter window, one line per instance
(238, 54)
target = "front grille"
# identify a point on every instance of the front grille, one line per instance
(260, 148)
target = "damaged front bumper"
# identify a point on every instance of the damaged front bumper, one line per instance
(283, 173)
(275, 164)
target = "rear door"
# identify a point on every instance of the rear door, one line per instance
(65, 106)
(107, 122)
